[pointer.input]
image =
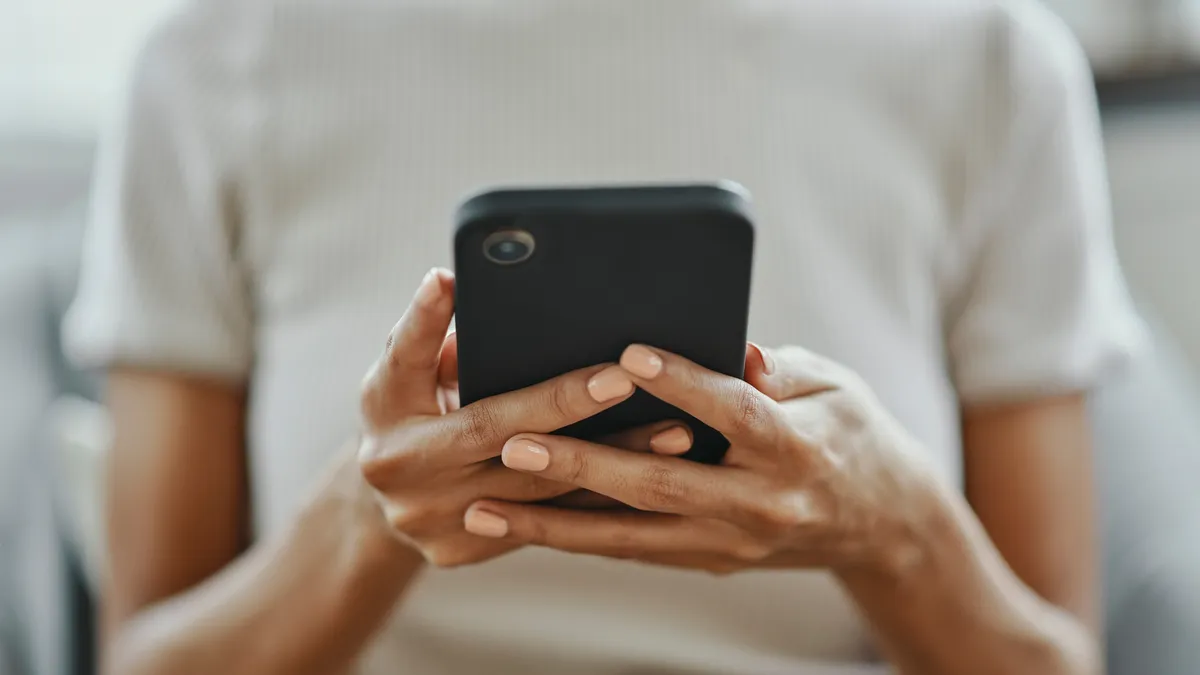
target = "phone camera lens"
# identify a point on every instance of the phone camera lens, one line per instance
(508, 247)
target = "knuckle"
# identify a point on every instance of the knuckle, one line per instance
(372, 461)
(560, 402)
(480, 426)
(576, 466)
(406, 359)
(750, 552)
(407, 331)
(369, 451)
(623, 553)
(623, 546)
(381, 402)
(374, 474)
(749, 412)
(517, 486)
(850, 413)
(393, 352)
(532, 531)
(783, 512)
(459, 550)
(383, 458)
(403, 517)
(538, 488)
(660, 488)
(396, 356)
(447, 557)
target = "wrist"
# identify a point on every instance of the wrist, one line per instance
(322, 589)
(941, 571)
(915, 533)
(364, 556)
(377, 561)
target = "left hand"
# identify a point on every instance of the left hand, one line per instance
(668, 437)
(818, 474)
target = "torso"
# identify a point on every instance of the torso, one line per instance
(845, 120)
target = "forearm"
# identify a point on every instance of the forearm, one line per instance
(306, 601)
(959, 608)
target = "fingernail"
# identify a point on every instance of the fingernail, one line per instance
(768, 362)
(608, 384)
(673, 441)
(524, 455)
(430, 290)
(642, 362)
(485, 524)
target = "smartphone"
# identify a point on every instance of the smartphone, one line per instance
(552, 280)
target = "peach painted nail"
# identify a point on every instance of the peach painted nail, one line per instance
(524, 455)
(768, 362)
(485, 524)
(642, 362)
(673, 441)
(608, 384)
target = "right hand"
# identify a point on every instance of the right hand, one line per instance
(427, 460)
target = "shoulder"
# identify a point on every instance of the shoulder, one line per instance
(971, 58)
(201, 47)
(1019, 44)
(1022, 44)
(193, 89)
(1033, 56)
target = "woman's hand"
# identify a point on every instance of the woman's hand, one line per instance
(426, 460)
(818, 475)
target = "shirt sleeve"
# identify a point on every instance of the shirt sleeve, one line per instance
(161, 284)
(1043, 307)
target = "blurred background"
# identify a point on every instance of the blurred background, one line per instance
(62, 71)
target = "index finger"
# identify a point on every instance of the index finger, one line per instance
(729, 405)
(644, 481)
(478, 431)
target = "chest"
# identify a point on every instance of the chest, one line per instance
(367, 167)
(849, 203)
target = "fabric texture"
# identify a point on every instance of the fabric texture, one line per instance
(930, 211)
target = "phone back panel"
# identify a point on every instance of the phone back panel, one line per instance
(668, 267)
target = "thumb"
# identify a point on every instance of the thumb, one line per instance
(790, 372)
(405, 379)
(447, 379)
(448, 361)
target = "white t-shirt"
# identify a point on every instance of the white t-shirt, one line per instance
(931, 211)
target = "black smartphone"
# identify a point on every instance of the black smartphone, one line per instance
(552, 280)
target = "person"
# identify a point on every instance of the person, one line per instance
(909, 480)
